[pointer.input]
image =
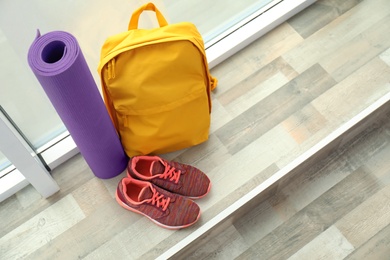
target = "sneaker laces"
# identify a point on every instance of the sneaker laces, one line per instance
(159, 200)
(171, 173)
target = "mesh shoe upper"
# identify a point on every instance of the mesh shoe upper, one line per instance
(176, 177)
(162, 207)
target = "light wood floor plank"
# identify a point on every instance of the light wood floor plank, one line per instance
(135, 239)
(250, 226)
(368, 83)
(376, 166)
(365, 221)
(282, 243)
(227, 245)
(320, 15)
(220, 116)
(91, 196)
(305, 123)
(343, 197)
(231, 196)
(341, 7)
(377, 247)
(248, 84)
(308, 223)
(69, 177)
(281, 205)
(330, 244)
(324, 42)
(9, 209)
(41, 229)
(255, 95)
(249, 162)
(269, 112)
(205, 156)
(28, 196)
(385, 56)
(270, 47)
(360, 50)
(89, 234)
(312, 184)
(112, 184)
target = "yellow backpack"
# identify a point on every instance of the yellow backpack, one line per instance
(156, 86)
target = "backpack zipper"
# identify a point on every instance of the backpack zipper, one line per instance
(125, 121)
(111, 69)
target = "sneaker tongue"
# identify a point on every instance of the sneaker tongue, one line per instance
(146, 193)
(157, 167)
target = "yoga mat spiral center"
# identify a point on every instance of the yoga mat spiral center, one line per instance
(53, 52)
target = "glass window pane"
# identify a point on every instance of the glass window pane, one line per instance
(4, 163)
(23, 99)
(211, 17)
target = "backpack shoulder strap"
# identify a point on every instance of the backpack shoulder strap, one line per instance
(110, 107)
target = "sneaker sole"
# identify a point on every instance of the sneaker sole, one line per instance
(125, 206)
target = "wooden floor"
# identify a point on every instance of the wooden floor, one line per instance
(275, 100)
(338, 209)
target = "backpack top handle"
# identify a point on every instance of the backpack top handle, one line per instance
(133, 24)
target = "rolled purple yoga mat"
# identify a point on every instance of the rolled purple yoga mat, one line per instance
(59, 65)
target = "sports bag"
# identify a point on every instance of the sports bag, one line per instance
(156, 86)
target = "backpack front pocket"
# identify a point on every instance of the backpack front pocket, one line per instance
(165, 129)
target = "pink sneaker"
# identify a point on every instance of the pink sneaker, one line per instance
(175, 177)
(162, 207)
